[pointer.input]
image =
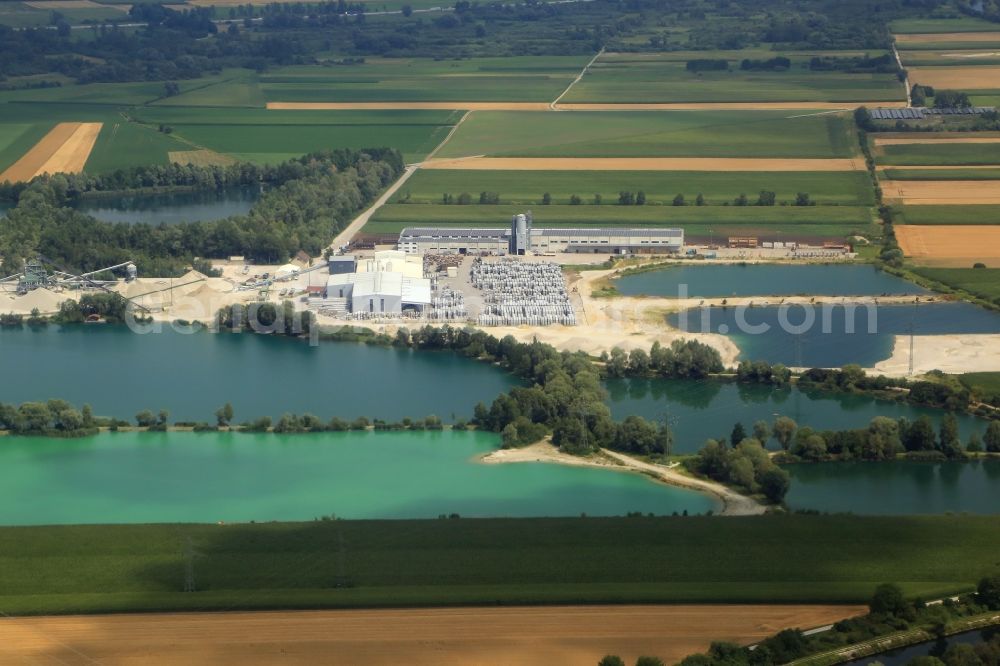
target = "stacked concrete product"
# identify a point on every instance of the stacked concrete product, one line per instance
(517, 293)
(448, 304)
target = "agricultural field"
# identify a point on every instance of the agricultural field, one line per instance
(39, 13)
(772, 134)
(522, 79)
(466, 561)
(982, 282)
(953, 246)
(945, 154)
(922, 26)
(660, 187)
(663, 77)
(17, 138)
(931, 173)
(937, 214)
(131, 135)
(790, 222)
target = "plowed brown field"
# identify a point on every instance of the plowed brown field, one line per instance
(527, 636)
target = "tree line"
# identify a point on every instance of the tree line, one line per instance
(889, 612)
(310, 199)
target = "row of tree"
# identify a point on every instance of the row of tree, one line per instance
(54, 418)
(884, 439)
(682, 359)
(889, 612)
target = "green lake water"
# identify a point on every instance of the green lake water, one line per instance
(897, 488)
(119, 373)
(170, 208)
(831, 336)
(205, 477)
(699, 410)
(724, 280)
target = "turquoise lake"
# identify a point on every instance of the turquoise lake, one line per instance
(120, 373)
(832, 336)
(896, 488)
(133, 477)
(170, 208)
(699, 410)
(723, 280)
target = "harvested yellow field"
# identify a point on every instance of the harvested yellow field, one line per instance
(973, 77)
(948, 37)
(950, 245)
(72, 156)
(200, 158)
(947, 192)
(644, 164)
(545, 106)
(527, 636)
(64, 149)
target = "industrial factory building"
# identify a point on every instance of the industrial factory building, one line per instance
(387, 284)
(522, 238)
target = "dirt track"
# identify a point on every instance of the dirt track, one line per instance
(950, 245)
(972, 77)
(433, 637)
(643, 164)
(931, 192)
(544, 106)
(948, 37)
(64, 149)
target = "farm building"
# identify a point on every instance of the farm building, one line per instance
(522, 237)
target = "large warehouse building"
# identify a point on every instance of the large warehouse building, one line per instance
(522, 238)
(389, 283)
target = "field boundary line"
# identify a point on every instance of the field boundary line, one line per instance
(447, 137)
(553, 103)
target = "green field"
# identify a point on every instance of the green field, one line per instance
(653, 134)
(21, 15)
(970, 214)
(932, 25)
(18, 138)
(255, 134)
(628, 77)
(982, 282)
(787, 222)
(941, 174)
(985, 384)
(522, 79)
(771, 559)
(660, 187)
(950, 154)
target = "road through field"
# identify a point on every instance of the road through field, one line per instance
(527, 636)
(545, 106)
(644, 164)
(932, 37)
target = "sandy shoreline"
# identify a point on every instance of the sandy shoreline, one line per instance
(948, 353)
(733, 504)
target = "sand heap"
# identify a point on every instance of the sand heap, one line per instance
(47, 302)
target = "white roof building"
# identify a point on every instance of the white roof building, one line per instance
(380, 291)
